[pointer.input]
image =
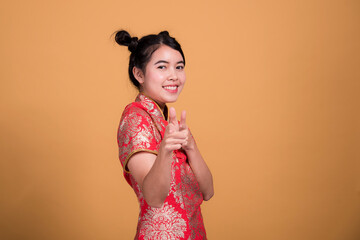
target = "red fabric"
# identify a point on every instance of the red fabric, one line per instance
(142, 128)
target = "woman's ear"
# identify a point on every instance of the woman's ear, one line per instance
(138, 74)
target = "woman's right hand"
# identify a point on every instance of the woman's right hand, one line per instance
(174, 138)
(153, 173)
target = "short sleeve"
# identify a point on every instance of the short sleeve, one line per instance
(136, 133)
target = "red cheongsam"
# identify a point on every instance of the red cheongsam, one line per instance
(142, 128)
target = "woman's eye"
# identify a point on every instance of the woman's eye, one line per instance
(180, 67)
(161, 67)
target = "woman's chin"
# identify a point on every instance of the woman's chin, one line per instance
(171, 99)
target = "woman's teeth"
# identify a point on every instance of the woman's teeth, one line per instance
(170, 87)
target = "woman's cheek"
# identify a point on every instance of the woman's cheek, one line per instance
(183, 77)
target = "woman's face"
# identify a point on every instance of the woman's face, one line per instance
(164, 76)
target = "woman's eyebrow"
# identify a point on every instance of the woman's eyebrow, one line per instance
(161, 61)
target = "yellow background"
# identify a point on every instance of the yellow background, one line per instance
(272, 96)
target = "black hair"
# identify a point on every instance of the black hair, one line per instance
(142, 50)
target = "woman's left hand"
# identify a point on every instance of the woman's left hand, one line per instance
(197, 163)
(189, 144)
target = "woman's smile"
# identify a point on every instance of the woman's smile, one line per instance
(164, 76)
(171, 88)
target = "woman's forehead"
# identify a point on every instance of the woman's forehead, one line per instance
(167, 54)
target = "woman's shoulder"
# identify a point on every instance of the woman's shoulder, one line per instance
(135, 107)
(135, 113)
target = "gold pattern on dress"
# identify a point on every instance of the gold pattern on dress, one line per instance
(149, 103)
(192, 200)
(141, 129)
(162, 224)
(131, 127)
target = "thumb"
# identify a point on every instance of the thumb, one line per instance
(170, 128)
(172, 117)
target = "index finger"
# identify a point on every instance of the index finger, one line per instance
(183, 120)
(172, 116)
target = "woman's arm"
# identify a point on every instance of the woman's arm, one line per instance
(196, 161)
(201, 171)
(153, 173)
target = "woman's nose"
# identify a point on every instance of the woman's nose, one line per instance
(172, 74)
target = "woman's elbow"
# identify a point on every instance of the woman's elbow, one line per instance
(208, 196)
(155, 203)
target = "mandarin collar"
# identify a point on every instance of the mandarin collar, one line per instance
(151, 106)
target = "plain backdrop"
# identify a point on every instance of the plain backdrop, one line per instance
(272, 97)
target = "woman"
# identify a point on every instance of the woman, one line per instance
(160, 158)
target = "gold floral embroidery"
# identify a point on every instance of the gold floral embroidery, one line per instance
(192, 199)
(162, 224)
(136, 134)
(141, 129)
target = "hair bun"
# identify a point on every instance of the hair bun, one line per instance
(166, 33)
(123, 38)
(133, 44)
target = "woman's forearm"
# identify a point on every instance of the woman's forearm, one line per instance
(156, 183)
(201, 171)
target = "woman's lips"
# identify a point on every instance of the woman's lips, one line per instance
(171, 88)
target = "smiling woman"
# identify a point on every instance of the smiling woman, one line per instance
(160, 158)
(164, 76)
